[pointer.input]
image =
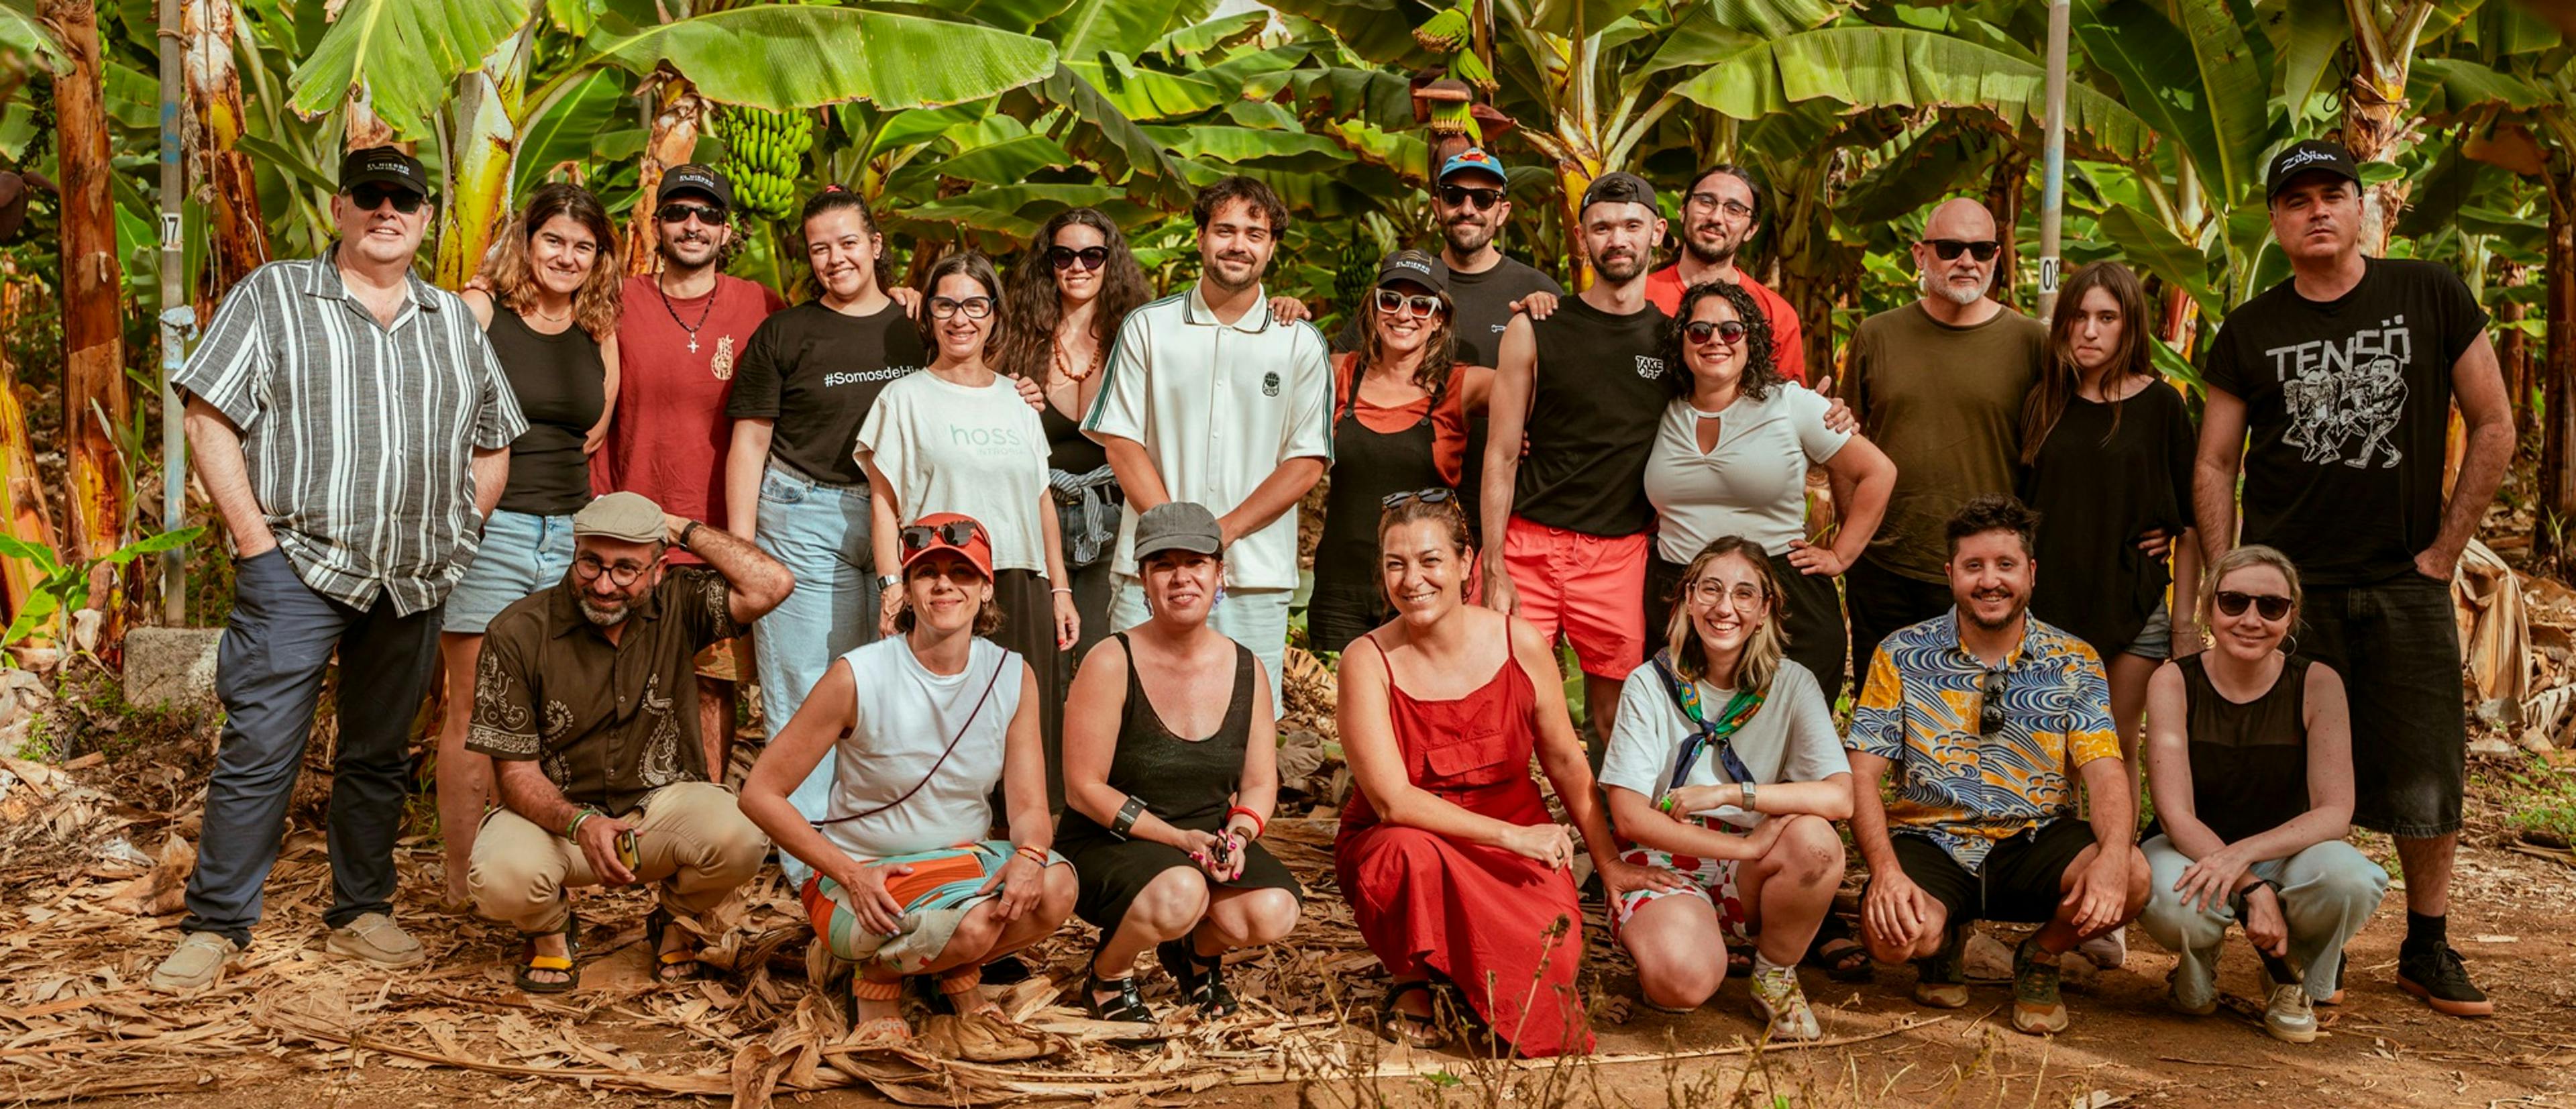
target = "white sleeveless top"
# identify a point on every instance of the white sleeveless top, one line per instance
(906, 716)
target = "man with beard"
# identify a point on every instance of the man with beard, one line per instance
(1566, 527)
(1718, 214)
(678, 338)
(353, 427)
(1987, 715)
(1208, 396)
(582, 700)
(1937, 384)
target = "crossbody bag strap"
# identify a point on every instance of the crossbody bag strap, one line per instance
(969, 722)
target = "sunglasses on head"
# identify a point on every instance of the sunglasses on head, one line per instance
(1434, 495)
(1730, 330)
(1990, 703)
(681, 213)
(955, 533)
(2272, 606)
(1461, 196)
(1091, 257)
(368, 198)
(1982, 250)
(1419, 307)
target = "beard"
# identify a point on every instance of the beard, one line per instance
(604, 617)
(1625, 267)
(1467, 237)
(2019, 606)
(1718, 253)
(1953, 291)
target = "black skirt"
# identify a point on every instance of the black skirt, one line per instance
(1112, 871)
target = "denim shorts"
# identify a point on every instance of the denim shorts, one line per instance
(2396, 644)
(521, 554)
(2155, 640)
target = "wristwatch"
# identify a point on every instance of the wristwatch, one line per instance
(1747, 788)
(686, 532)
(888, 581)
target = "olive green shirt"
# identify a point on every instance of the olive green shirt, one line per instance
(1945, 404)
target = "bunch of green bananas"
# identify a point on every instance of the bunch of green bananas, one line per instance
(1358, 269)
(764, 157)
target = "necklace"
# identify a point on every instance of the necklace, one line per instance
(550, 317)
(1064, 363)
(691, 328)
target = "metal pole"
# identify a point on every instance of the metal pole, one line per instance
(2052, 190)
(177, 317)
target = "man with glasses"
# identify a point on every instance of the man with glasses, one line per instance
(2346, 374)
(1938, 385)
(1718, 214)
(1989, 716)
(584, 700)
(353, 427)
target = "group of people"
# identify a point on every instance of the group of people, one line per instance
(1015, 555)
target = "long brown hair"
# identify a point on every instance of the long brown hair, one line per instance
(1439, 352)
(2059, 378)
(1032, 307)
(1760, 660)
(513, 277)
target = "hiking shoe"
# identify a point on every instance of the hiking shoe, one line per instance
(2037, 1009)
(2288, 1017)
(2437, 975)
(1782, 1004)
(1942, 980)
(198, 963)
(377, 939)
(2108, 951)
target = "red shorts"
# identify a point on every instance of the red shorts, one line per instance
(1583, 588)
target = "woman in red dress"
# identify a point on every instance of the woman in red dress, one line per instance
(1447, 853)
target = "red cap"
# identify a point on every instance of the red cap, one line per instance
(937, 532)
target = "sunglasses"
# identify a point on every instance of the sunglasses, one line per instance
(2272, 606)
(1982, 250)
(368, 198)
(682, 213)
(1091, 257)
(1990, 706)
(1419, 307)
(955, 533)
(976, 308)
(1730, 330)
(1434, 495)
(1461, 196)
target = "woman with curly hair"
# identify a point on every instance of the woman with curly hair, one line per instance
(547, 298)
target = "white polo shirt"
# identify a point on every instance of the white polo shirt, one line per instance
(1218, 407)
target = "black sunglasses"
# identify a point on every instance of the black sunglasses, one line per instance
(681, 213)
(2272, 606)
(1091, 257)
(368, 198)
(1461, 196)
(1730, 330)
(955, 533)
(1435, 495)
(1982, 250)
(1990, 704)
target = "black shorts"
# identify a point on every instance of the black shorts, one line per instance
(2397, 646)
(2022, 878)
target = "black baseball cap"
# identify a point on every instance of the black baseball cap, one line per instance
(1414, 266)
(2308, 156)
(695, 178)
(382, 165)
(1619, 187)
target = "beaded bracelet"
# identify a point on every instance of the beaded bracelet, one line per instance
(573, 830)
(1032, 854)
(1665, 806)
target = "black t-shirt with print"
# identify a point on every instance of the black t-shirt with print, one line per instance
(816, 373)
(1598, 397)
(2347, 401)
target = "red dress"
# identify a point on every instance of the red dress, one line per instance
(1505, 929)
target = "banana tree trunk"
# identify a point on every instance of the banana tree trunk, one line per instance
(238, 235)
(480, 155)
(1573, 175)
(2513, 347)
(2558, 367)
(22, 489)
(94, 397)
(2377, 119)
(671, 140)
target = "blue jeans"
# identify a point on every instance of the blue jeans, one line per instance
(521, 554)
(820, 533)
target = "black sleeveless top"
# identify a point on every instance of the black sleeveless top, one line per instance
(1596, 400)
(2249, 762)
(1368, 465)
(561, 383)
(1068, 449)
(1189, 783)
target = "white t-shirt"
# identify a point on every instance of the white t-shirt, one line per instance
(1753, 485)
(1791, 739)
(980, 451)
(1218, 407)
(906, 716)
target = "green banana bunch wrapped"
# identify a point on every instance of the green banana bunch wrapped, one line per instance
(764, 157)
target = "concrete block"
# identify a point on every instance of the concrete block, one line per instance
(171, 669)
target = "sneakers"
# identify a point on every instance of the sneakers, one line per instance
(377, 939)
(2288, 1016)
(2436, 974)
(1782, 1004)
(1942, 981)
(197, 964)
(2037, 1010)
(2108, 951)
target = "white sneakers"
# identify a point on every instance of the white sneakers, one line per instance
(2289, 1016)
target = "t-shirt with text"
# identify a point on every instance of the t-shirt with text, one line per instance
(973, 449)
(816, 372)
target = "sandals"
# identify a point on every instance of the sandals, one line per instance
(565, 963)
(1124, 1004)
(1411, 1029)
(669, 966)
(1835, 952)
(1202, 983)
(876, 1033)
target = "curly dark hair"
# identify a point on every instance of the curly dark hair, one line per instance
(1992, 512)
(1032, 308)
(1761, 366)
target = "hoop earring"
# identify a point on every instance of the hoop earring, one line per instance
(2292, 650)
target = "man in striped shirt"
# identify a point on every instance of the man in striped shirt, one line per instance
(353, 427)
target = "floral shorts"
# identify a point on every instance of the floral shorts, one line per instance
(1711, 880)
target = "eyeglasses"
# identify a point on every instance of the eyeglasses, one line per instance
(1417, 306)
(1990, 703)
(976, 308)
(681, 213)
(955, 533)
(1982, 250)
(1434, 495)
(1091, 257)
(2272, 606)
(1730, 330)
(1462, 196)
(368, 198)
(1707, 592)
(623, 574)
(1712, 201)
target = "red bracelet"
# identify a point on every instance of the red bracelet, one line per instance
(1031, 854)
(1258, 825)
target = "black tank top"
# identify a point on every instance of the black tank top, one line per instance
(1598, 398)
(561, 383)
(1189, 783)
(1068, 449)
(1367, 466)
(2249, 762)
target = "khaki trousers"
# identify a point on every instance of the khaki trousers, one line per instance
(691, 836)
